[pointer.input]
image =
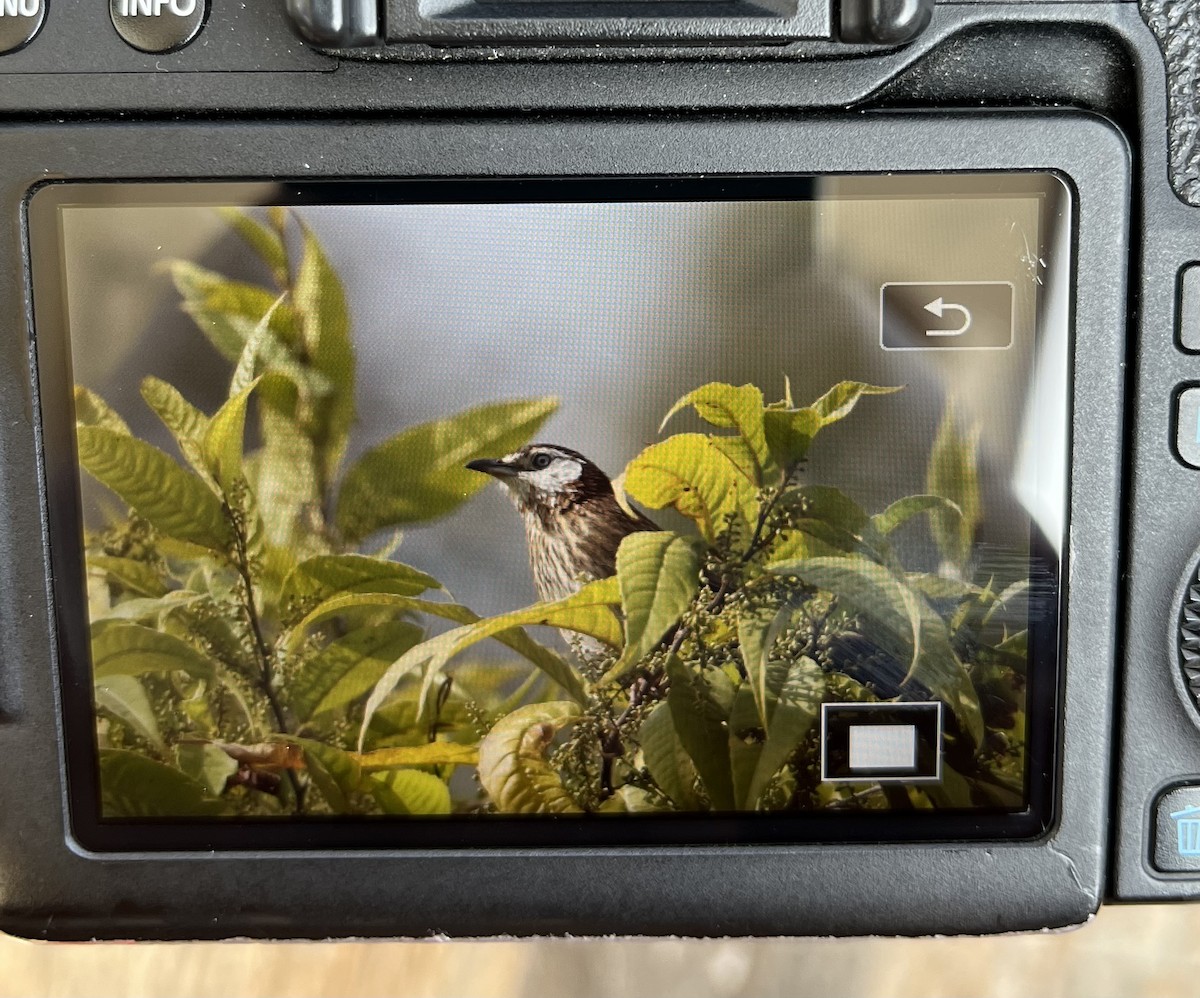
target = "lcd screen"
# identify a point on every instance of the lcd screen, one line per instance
(556, 511)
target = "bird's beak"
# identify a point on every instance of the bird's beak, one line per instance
(490, 466)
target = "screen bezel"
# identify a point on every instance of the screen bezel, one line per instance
(52, 349)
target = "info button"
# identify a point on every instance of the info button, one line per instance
(954, 315)
(158, 25)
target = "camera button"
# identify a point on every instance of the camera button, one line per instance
(1176, 846)
(20, 21)
(1189, 308)
(157, 25)
(1187, 426)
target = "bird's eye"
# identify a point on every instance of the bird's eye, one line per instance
(540, 462)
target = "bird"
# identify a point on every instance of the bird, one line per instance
(573, 522)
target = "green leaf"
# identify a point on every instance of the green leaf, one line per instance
(899, 621)
(790, 432)
(699, 722)
(132, 786)
(903, 510)
(125, 698)
(426, 754)
(797, 689)
(869, 589)
(667, 760)
(953, 473)
(740, 408)
(286, 483)
(186, 423)
(321, 302)
(155, 487)
(825, 521)
(224, 437)
(758, 628)
(551, 664)
(659, 576)
(207, 764)
(330, 575)
(123, 648)
(266, 242)
(589, 612)
(152, 606)
(693, 474)
(134, 576)
(512, 760)
(348, 667)
(336, 774)
(937, 587)
(839, 401)
(92, 410)
(247, 365)
(227, 312)
(419, 474)
(408, 791)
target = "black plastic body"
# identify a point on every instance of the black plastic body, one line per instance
(1082, 89)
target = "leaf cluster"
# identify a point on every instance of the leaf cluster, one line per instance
(724, 643)
(237, 620)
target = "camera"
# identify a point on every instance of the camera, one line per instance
(525, 467)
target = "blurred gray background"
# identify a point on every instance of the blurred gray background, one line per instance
(617, 310)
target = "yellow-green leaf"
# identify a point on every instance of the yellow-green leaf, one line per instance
(224, 438)
(837, 403)
(336, 774)
(173, 501)
(659, 576)
(700, 723)
(123, 648)
(903, 510)
(789, 433)
(897, 618)
(408, 791)
(588, 612)
(427, 754)
(134, 576)
(228, 312)
(328, 575)
(668, 762)
(125, 698)
(546, 660)
(92, 410)
(207, 764)
(348, 667)
(691, 473)
(243, 374)
(286, 482)
(512, 760)
(954, 474)
(186, 423)
(132, 786)
(797, 694)
(266, 242)
(420, 473)
(321, 302)
(739, 408)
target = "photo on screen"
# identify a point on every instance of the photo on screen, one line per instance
(649, 500)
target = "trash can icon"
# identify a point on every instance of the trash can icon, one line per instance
(1187, 823)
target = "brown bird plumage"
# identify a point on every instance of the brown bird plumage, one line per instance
(573, 522)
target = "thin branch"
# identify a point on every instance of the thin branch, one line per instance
(266, 660)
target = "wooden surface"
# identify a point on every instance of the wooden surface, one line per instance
(1127, 951)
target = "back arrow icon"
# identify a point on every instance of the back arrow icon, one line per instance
(939, 307)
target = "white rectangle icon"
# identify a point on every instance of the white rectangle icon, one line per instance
(883, 747)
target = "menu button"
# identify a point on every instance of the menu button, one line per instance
(158, 25)
(20, 21)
